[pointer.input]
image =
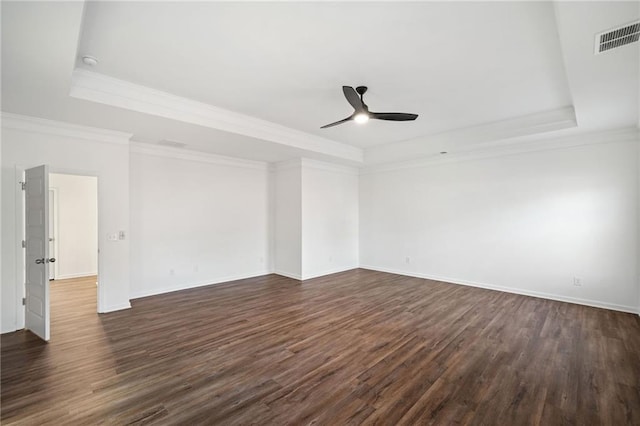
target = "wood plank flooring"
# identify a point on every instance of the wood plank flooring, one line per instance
(359, 347)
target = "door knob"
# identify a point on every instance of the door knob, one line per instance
(53, 259)
(39, 261)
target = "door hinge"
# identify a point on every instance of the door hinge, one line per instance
(24, 244)
(24, 301)
(23, 185)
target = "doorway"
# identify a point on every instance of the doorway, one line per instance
(73, 242)
(66, 227)
(74, 216)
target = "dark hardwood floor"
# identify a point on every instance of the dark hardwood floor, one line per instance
(359, 347)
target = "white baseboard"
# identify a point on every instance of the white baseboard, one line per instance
(114, 308)
(289, 275)
(329, 272)
(154, 292)
(178, 287)
(315, 275)
(78, 275)
(550, 296)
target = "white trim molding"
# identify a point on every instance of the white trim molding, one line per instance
(59, 128)
(289, 275)
(523, 292)
(328, 272)
(329, 167)
(294, 163)
(203, 283)
(114, 308)
(299, 163)
(511, 147)
(76, 275)
(190, 155)
(100, 88)
(473, 137)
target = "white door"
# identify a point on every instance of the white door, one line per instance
(37, 251)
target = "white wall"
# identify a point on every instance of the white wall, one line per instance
(76, 220)
(196, 221)
(75, 150)
(329, 218)
(526, 223)
(7, 320)
(315, 218)
(287, 220)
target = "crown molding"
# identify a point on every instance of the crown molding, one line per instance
(294, 163)
(329, 167)
(197, 156)
(59, 128)
(302, 163)
(107, 90)
(475, 136)
(625, 135)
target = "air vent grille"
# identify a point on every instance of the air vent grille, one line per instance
(172, 144)
(617, 37)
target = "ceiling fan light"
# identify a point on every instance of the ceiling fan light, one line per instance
(361, 118)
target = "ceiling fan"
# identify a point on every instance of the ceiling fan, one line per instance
(362, 113)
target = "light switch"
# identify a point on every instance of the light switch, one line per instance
(112, 237)
(121, 235)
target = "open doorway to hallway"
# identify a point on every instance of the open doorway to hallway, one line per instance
(73, 242)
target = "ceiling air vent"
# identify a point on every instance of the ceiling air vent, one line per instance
(617, 37)
(172, 144)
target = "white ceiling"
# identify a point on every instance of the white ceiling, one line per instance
(461, 66)
(455, 64)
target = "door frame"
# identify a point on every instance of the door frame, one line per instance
(54, 213)
(21, 234)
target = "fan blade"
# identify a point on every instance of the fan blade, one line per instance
(352, 97)
(337, 122)
(394, 116)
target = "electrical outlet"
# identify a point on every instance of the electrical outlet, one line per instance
(407, 259)
(577, 281)
(172, 272)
